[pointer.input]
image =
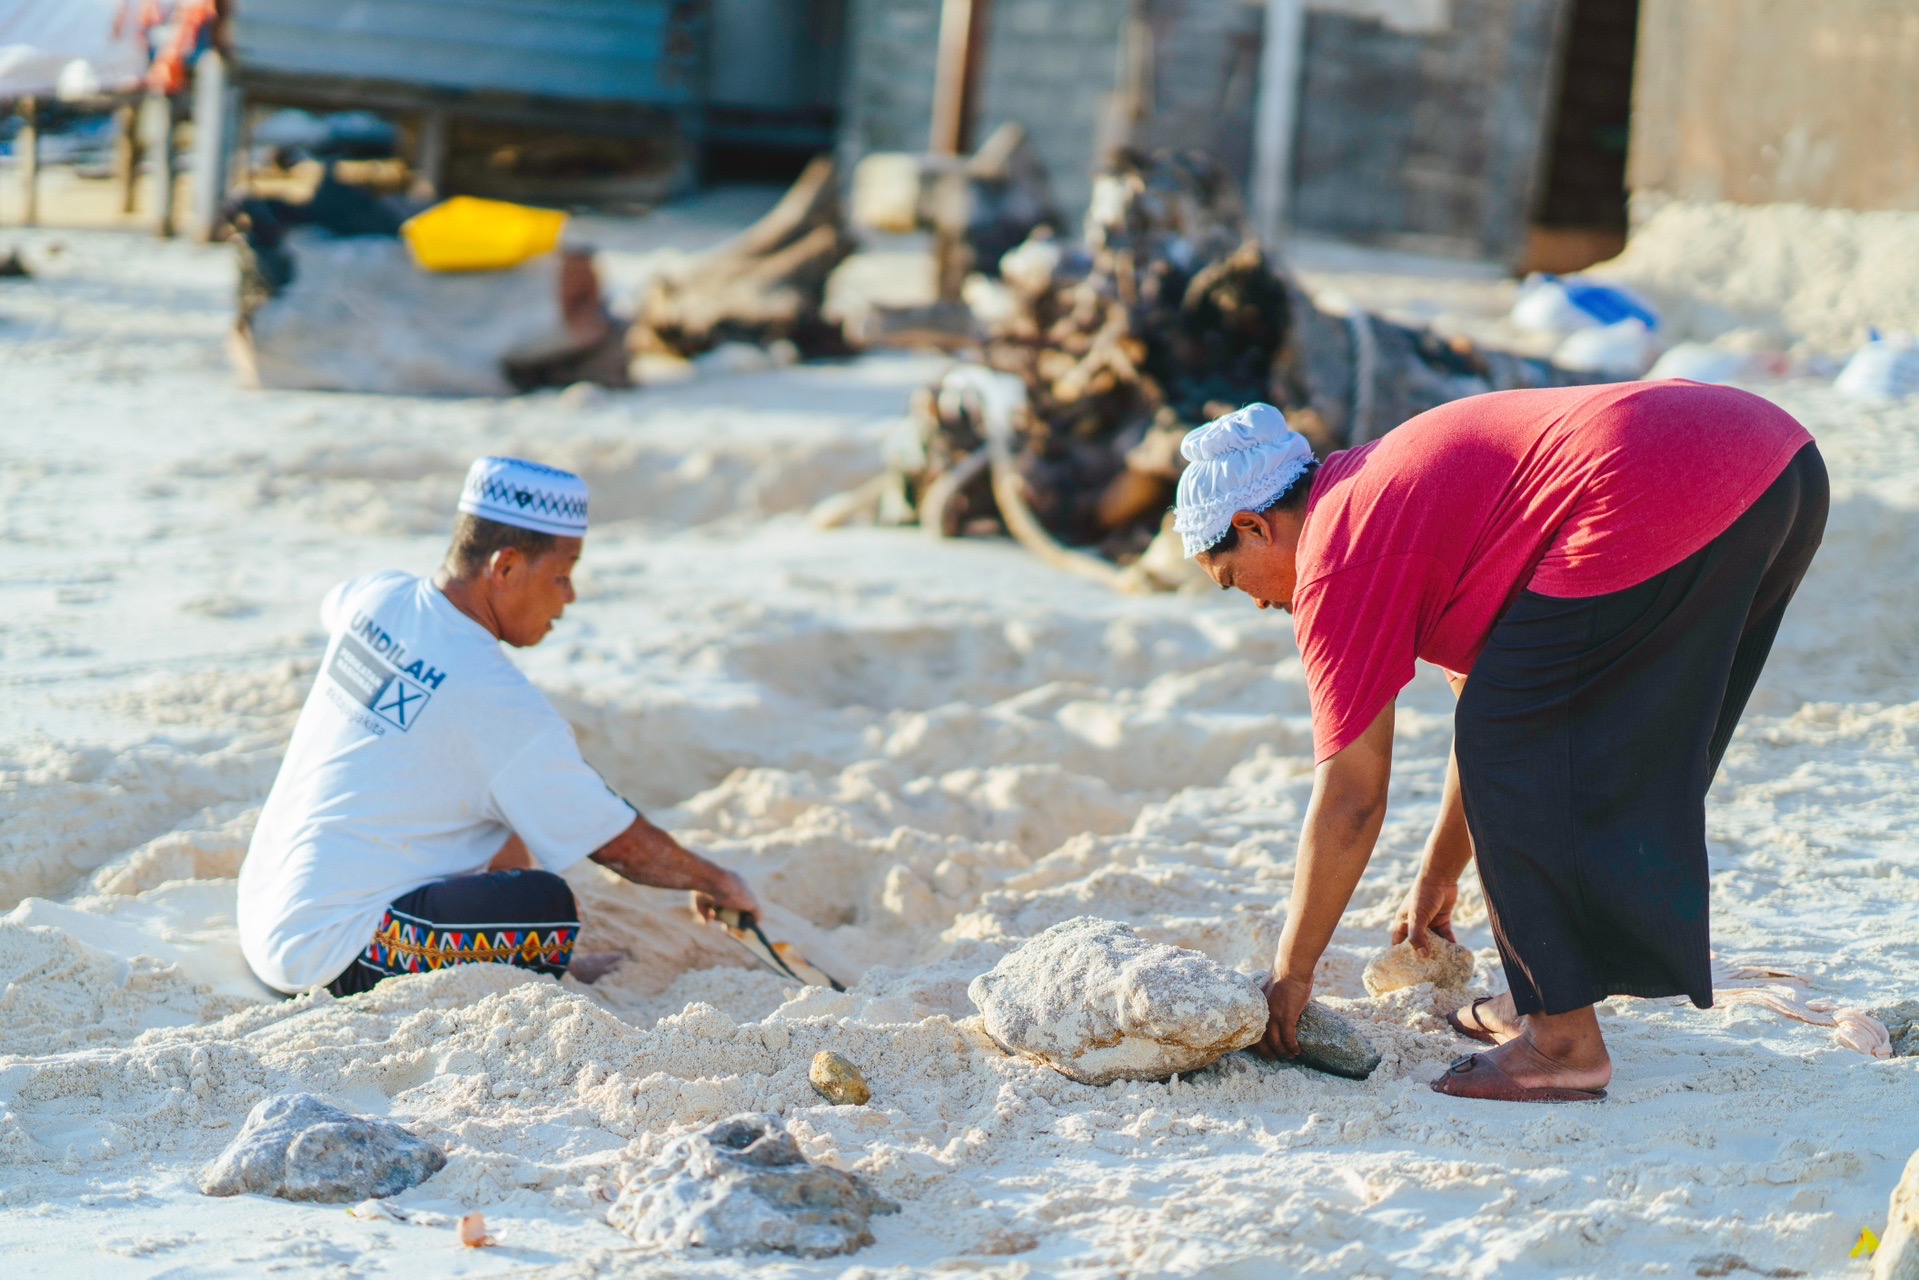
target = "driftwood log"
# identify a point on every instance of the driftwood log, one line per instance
(765, 285)
(1166, 316)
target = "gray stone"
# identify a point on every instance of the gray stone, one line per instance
(1902, 1024)
(742, 1186)
(1329, 1042)
(1097, 1002)
(300, 1148)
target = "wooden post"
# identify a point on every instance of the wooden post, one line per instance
(1276, 117)
(431, 161)
(126, 153)
(962, 55)
(26, 149)
(213, 136)
(157, 124)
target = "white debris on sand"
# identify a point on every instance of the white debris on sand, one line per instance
(927, 753)
(1096, 1002)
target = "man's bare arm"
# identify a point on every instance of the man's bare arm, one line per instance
(1429, 904)
(1342, 824)
(647, 855)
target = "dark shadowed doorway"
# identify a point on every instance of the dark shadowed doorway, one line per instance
(1580, 214)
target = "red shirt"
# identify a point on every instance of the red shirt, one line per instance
(1415, 543)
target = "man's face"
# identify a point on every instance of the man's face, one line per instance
(530, 595)
(1260, 565)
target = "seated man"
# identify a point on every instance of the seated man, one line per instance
(431, 795)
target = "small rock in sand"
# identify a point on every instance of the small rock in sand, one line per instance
(300, 1148)
(838, 1081)
(742, 1186)
(1329, 1042)
(1097, 1002)
(1449, 967)
(1898, 1255)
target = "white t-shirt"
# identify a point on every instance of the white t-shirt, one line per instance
(420, 749)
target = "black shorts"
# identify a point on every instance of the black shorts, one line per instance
(523, 918)
(1587, 735)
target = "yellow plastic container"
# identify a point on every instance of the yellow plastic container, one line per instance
(469, 234)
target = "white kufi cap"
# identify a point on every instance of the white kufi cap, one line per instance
(1240, 462)
(526, 495)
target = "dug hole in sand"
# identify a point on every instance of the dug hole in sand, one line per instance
(924, 753)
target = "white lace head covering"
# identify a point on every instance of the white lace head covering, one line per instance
(1240, 462)
(526, 495)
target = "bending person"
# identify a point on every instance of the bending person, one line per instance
(1602, 571)
(431, 795)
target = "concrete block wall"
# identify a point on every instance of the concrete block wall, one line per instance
(1205, 79)
(1421, 123)
(892, 50)
(1429, 140)
(1050, 65)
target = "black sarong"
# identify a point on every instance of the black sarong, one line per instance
(1587, 736)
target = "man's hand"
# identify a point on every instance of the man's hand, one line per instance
(1285, 1000)
(726, 892)
(1426, 910)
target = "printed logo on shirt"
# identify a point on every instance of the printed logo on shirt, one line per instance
(375, 684)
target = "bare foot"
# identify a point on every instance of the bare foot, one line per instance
(1531, 1068)
(1557, 1058)
(590, 966)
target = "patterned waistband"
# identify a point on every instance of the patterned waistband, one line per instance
(406, 944)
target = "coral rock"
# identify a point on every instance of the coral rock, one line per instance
(1898, 1254)
(742, 1186)
(1329, 1042)
(1450, 966)
(300, 1148)
(1902, 1026)
(838, 1081)
(1097, 1002)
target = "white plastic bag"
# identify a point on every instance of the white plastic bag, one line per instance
(1697, 362)
(1885, 370)
(1568, 304)
(1622, 351)
(359, 316)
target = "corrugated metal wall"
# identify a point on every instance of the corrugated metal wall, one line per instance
(625, 51)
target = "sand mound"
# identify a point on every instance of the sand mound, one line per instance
(1793, 273)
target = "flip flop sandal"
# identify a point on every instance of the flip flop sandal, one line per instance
(1475, 1076)
(1478, 1030)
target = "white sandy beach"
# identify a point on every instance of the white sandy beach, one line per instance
(920, 753)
